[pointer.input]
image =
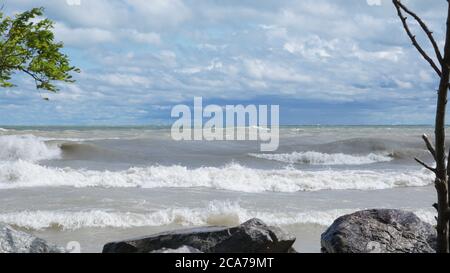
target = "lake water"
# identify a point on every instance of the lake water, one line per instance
(95, 185)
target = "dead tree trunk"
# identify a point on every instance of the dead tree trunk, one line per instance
(442, 170)
(443, 167)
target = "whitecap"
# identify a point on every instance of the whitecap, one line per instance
(232, 177)
(316, 158)
(215, 213)
(26, 147)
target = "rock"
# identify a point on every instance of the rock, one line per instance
(292, 251)
(379, 231)
(182, 249)
(13, 241)
(251, 237)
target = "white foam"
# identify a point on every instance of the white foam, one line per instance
(427, 215)
(86, 139)
(3, 130)
(215, 213)
(315, 158)
(26, 147)
(233, 177)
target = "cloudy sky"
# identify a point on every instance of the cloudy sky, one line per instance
(322, 61)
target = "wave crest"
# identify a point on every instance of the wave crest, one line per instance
(26, 147)
(233, 177)
(316, 158)
(215, 213)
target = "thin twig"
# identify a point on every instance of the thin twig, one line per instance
(425, 29)
(414, 40)
(425, 165)
(430, 146)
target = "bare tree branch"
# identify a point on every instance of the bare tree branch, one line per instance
(430, 146)
(413, 38)
(425, 165)
(442, 159)
(425, 29)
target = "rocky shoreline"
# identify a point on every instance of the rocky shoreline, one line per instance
(369, 231)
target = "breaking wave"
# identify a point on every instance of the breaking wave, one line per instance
(215, 213)
(26, 147)
(315, 158)
(232, 177)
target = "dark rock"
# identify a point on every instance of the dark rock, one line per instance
(379, 231)
(13, 241)
(292, 251)
(251, 237)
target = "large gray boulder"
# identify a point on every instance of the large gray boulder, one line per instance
(251, 237)
(14, 241)
(379, 231)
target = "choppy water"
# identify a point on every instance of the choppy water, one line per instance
(94, 185)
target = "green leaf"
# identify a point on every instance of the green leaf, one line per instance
(28, 46)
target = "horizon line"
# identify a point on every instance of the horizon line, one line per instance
(169, 125)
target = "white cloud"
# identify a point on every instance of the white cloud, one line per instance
(263, 70)
(159, 13)
(82, 36)
(122, 80)
(107, 14)
(169, 50)
(312, 48)
(148, 38)
(389, 54)
(86, 37)
(403, 85)
(374, 2)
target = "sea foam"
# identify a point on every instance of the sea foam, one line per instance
(232, 177)
(316, 158)
(215, 213)
(26, 147)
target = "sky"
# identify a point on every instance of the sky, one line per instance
(329, 62)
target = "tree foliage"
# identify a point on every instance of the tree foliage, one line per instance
(27, 45)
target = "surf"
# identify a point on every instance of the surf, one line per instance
(219, 213)
(231, 177)
(26, 147)
(316, 158)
